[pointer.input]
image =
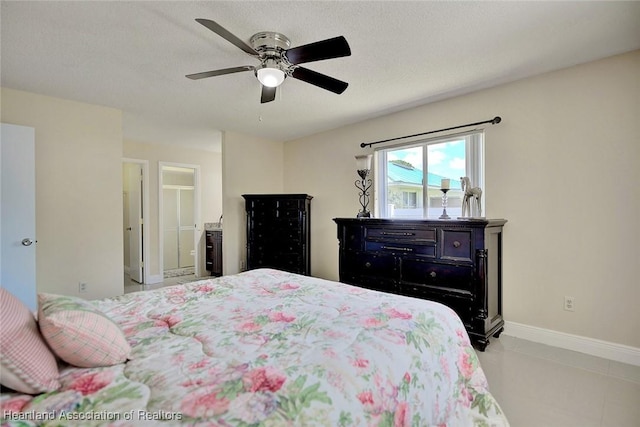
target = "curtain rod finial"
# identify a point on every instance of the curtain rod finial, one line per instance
(362, 145)
(496, 120)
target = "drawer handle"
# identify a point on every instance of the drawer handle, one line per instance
(456, 244)
(394, 248)
(432, 274)
(367, 264)
(390, 233)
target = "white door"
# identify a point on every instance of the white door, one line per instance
(133, 174)
(18, 213)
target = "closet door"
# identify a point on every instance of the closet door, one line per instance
(187, 224)
(170, 222)
(18, 213)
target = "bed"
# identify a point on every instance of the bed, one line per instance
(270, 348)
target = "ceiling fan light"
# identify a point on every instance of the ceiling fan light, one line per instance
(270, 77)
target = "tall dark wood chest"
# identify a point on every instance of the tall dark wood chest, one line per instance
(278, 232)
(455, 262)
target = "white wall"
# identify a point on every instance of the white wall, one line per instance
(210, 191)
(78, 192)
(563, 167)
(250, 166)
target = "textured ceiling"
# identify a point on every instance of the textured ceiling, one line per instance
(134, 55)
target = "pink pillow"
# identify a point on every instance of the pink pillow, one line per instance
(27, 364)
(79, 333)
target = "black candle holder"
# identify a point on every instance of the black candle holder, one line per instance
(364, 185)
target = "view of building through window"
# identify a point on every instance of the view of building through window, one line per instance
(410, 177)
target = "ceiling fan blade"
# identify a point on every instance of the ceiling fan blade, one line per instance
(268, 94)
(221, 72)
(321, 80)
(325, 49)
(219, 30)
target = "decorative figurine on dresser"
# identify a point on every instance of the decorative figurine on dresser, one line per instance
(455, 262)
(278, 232)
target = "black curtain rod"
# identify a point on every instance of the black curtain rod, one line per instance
(493, 121)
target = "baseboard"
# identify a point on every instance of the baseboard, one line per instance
(153, 279)
(605, 349)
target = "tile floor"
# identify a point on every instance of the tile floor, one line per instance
(543, 386)
(131, 286)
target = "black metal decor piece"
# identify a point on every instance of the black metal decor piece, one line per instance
(364, 185)
(493, 121)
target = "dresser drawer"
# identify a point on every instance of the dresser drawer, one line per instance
(456, 245)
(292, 204)
(261, 225)
(289, 214)
(268, 249)
(370, 265)
(261, 234)
(288, 261)
(256, 261)
(382, 284)
(287, 246)
(461, 304)
(454, 277)
(275, 230)
(261, 258)
(261, 208)
(287, 229)
(350, 238)
(399, 234)
(287, 235)
(212, 237)
(401, 248)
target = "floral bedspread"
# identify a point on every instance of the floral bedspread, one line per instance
(269, 348)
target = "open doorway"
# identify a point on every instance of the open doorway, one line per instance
(179, 219)
(135, 202)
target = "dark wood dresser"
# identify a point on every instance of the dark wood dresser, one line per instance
(278, 232)
(455, 262)
(213, 253)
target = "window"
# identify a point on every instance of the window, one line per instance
(408, 176)
(409, 199)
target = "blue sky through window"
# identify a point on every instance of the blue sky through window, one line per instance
(446, 159)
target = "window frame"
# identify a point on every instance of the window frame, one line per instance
(474, 165)
(413, 195)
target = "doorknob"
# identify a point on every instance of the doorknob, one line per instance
(27, 242)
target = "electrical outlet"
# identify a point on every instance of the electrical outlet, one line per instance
(82, 287)
(243, 265)
(569, 303)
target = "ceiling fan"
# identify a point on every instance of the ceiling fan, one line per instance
(278, 61)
